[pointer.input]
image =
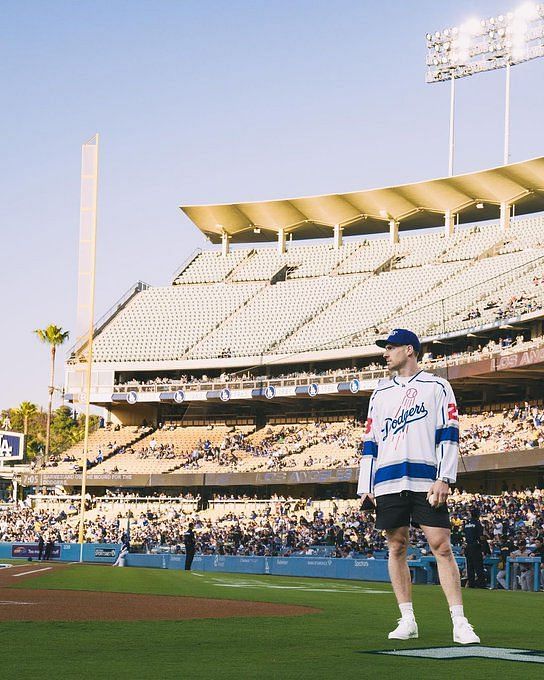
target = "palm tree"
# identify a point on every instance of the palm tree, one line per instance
(52, 336)
(25, 410)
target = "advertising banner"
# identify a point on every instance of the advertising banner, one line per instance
(33, 552)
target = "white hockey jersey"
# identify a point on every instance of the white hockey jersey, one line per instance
(411, 437)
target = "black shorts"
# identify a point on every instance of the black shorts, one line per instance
(409, 507)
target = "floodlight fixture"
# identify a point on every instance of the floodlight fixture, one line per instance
(480, 45)
(487, 44)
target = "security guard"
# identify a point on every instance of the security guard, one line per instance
(189, 540)
(473, 531)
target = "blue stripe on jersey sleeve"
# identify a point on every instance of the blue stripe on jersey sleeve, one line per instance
(370, 449)
(398, 470)
(447, 434)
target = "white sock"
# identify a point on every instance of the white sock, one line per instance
(407, 610)
(456, 610)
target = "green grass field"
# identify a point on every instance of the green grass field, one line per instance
(334, 644)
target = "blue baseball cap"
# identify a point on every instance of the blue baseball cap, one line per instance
(401, 336)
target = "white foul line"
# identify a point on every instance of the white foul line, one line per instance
(34, 571)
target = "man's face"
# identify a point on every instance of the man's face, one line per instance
(396, 356)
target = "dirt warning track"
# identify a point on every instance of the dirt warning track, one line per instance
(21, 604)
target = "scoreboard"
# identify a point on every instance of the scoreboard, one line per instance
(12, 446)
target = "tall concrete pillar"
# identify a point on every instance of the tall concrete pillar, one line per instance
(337, 236)
(225, 246)
(281, 241)
(506, 209)
(449, 223)
(393, 232)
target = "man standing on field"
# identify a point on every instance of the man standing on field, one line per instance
(409, 460)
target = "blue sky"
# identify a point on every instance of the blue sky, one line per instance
(201, 101)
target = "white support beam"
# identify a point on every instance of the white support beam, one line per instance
(449, 222)
(393, 231)
(281, 241)
(337, 236)
(225, 245)
(505, 216)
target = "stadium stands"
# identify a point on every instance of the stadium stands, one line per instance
(103, 443)
(212, 266)
(273, 526)
(167, 450)
(271, 315)
(259, 301)
(163, 323)
(315, 444)
(366, 307)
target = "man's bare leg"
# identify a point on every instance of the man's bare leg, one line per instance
(448, 571)
(397, 543)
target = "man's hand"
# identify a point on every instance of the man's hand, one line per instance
(367, 498)
(438, 493)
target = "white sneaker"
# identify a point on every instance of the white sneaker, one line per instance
(406, 630)
(463, 632)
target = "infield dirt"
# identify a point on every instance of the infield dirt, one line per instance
(20, 604)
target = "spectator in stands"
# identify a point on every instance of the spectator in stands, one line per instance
(525, 575)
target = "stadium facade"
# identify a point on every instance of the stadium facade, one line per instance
(281, 329)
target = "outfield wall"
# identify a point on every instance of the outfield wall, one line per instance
(423, 570)
(324, 567)
(65, 552)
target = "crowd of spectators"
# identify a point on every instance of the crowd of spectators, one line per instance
(226, 378)
(521, 303)
(304, 446)
(518, 428)
(317, 444)
(429, 358)
(284, 526)
(277, 448)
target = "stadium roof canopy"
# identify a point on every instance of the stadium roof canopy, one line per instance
(472, 197)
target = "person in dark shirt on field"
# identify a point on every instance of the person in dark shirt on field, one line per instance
(190, 543)
(40, 547)
(49, 547)
(473, 531)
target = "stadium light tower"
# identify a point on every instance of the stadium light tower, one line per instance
(481, 45)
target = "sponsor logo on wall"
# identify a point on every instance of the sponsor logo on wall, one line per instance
(32, 551)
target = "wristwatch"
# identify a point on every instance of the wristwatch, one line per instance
(447, 480)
